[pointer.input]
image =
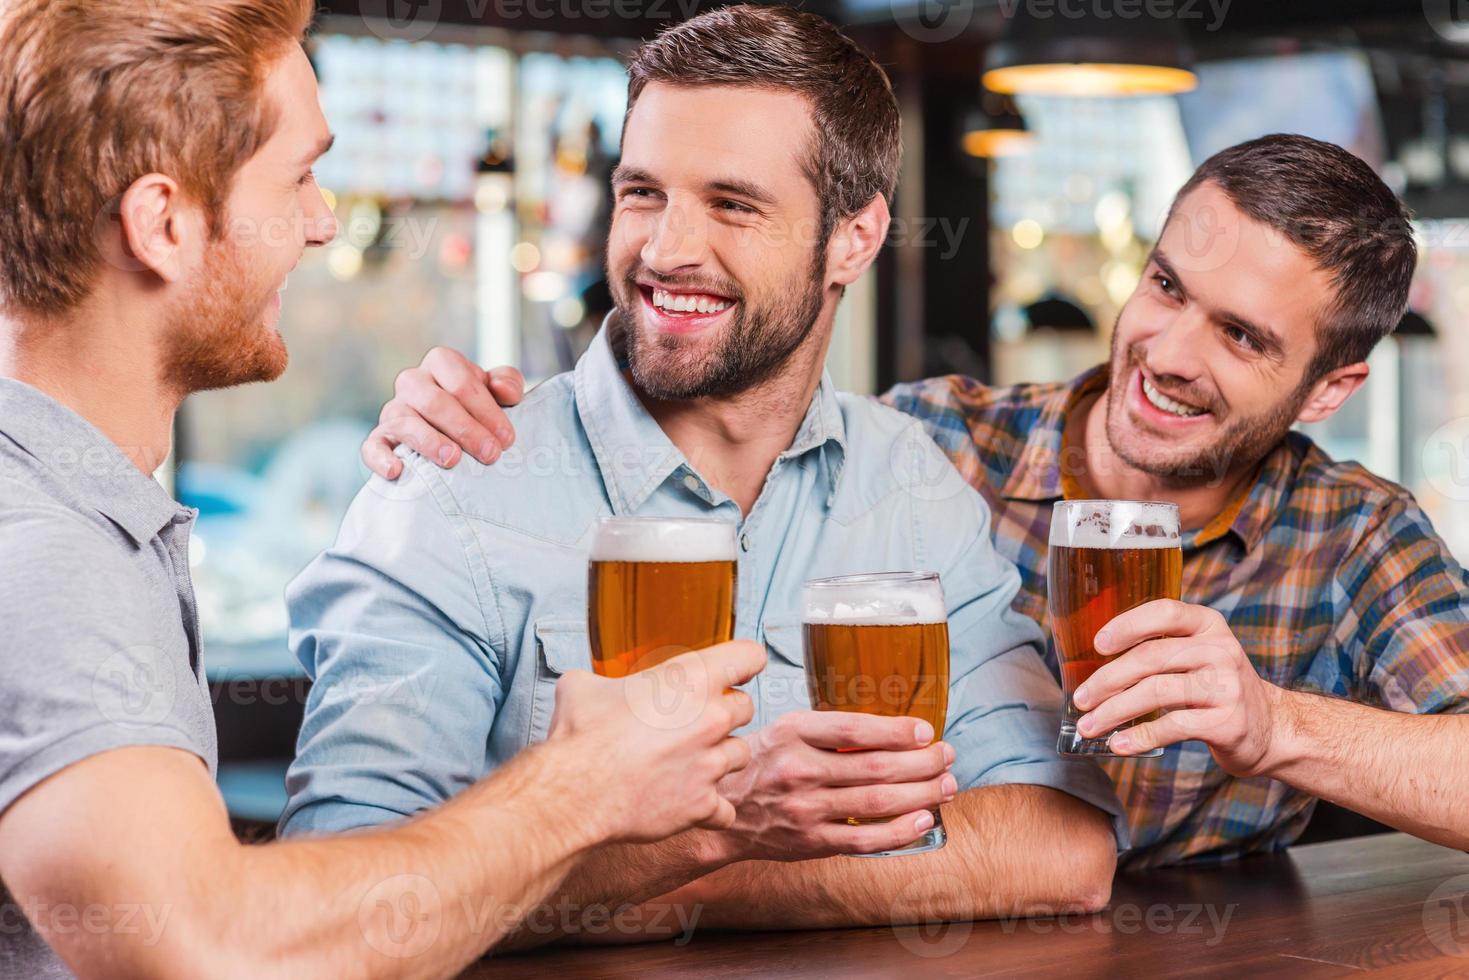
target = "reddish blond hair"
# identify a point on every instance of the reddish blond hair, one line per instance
(96, 94)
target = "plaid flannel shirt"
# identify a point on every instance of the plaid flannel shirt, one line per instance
(1332, 580)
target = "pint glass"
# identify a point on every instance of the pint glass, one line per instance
(1106, 556)
(656, 588)
(879, 644)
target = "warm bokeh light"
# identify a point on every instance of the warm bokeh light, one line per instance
(996, 142)
(1028, 233)
(1090, 80)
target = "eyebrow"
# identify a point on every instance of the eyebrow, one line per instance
(724, 185)
(1267, 337)
(322, 146)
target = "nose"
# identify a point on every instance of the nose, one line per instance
(1175, 350)
(679, 238)
(321, 222)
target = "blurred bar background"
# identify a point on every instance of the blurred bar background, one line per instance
(474, 143)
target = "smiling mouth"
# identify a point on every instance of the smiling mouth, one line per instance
(689, 304)
(1171, 406)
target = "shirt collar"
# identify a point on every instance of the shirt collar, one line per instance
(85, 460)
(634, 455)
(1037, 475)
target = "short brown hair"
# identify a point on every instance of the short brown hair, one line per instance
(98, 93)
(857, 148)
(1330, 205)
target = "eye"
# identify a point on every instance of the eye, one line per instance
(734, 207)
(636, 193)
(1241, 338)
(1166, 283)
(308, 178)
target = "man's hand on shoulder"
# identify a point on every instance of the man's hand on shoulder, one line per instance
(446, 406)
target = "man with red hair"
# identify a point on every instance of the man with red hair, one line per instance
(155, 163)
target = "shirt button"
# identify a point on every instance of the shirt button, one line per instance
(692, 482)
(744, 542)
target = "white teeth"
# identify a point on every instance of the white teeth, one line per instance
(1160, 400)
(687, 302)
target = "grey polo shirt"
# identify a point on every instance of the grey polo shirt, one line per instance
(99, 640)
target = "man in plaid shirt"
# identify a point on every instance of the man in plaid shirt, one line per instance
(1322, 650)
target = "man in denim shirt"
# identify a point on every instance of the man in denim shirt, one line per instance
(438, 625)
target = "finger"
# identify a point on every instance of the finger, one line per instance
(872, 838)
(507, 385)
(867, 802)
(736, 754)
(377, 454)
(422, 438)
(854, 730)
(1161, 656)
(1161, 617)
(723, 817)
(1161, 692)
(879, 767)
(468, 384)
(1178, 726)
(741, 708)
(728, 664)
(445, 412)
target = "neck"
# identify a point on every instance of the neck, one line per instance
(733, 442)
(103, 369)
(1108, 476)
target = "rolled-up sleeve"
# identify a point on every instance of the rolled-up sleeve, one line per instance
(391, 628)
(1004, 706)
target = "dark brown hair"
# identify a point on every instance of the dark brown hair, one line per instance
(1331, 205)
(854, 115)
(98, 93)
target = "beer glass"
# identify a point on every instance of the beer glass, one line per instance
(879, 644)
(656, 588)
(1106, 556)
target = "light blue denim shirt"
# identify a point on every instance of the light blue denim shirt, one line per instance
(436, 628)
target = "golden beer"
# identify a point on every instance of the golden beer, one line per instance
(1106, 557)
(879, 645)
(879, 670)
(658, 588)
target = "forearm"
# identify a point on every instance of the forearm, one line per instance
(1012, 850)
(605, 897)
(1404, 770)
(422, 899)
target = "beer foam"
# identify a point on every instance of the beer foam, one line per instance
(874, 603)
(660, 540)
(1114, 524)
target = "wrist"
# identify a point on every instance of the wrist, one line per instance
(710, 850)
(546, 788)
(1283, 742)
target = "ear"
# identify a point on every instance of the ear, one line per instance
(154, 222)
(1332, 391)
(855, 242)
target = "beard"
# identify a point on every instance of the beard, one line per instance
(1241, 442)
(217, 336)
(756, 344)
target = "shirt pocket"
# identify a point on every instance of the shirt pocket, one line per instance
(782, 683)
(561, 645)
